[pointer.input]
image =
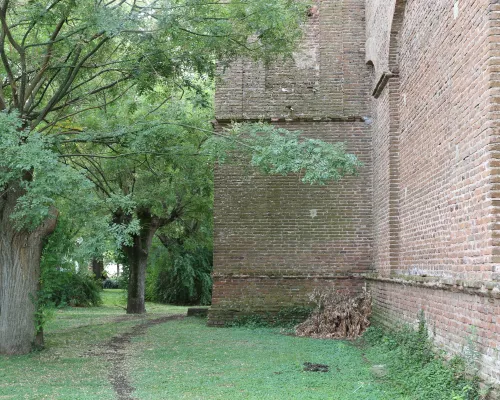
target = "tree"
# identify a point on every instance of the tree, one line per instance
(155, 172)
(30, 177)
(62, 58)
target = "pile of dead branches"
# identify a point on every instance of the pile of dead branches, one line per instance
(338, 314)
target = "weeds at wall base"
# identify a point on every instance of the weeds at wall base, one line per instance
(417, 370)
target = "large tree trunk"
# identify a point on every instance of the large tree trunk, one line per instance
(20, 253)
(137, 255)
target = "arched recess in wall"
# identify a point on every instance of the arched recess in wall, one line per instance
(394, 89)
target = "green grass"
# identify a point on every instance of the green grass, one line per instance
(414, 366)
(185, 359)
(65, 370)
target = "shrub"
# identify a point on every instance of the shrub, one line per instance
(62, 282)
(181, 277)
(71, 288)
(111, 284)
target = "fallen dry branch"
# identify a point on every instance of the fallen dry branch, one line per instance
(338, 314)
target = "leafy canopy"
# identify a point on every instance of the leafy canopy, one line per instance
(62, 57)
(76, 71)
(119, 91)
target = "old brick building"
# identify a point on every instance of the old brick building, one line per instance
(412, 88)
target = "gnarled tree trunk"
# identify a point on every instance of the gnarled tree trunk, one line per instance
(137, 256)
(20, 253)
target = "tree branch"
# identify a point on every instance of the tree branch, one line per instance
(6, 64)
(22, 58)
(46, 59)
(62, 91)
(57, 40)
(99, 106)
(93, 77)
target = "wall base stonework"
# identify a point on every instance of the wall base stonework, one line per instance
(237, 296)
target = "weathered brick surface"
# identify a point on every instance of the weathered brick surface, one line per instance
(278, 225)
(275, 237)
(421, 222)
(326, 78)
(453, 318)
(272, 228)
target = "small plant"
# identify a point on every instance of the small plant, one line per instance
(471, 353)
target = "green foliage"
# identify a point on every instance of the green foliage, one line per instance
(278, 151)
(62, 282)
(72, 288)
(179, 276)
(416, 369)
(67, 65)
(28, 164)
(65, 55)
(64, 279)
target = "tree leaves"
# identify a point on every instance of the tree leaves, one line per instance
(28, 164)
(274, 150)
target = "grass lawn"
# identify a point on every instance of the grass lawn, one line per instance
(66, 369)
(183, 359)
(187, 360)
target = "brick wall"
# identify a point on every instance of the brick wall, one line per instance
(325, 78)
(421, 222)
(454, 315)
(276, 238)
(435, 168)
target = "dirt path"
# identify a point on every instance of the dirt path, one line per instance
(116, 351)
